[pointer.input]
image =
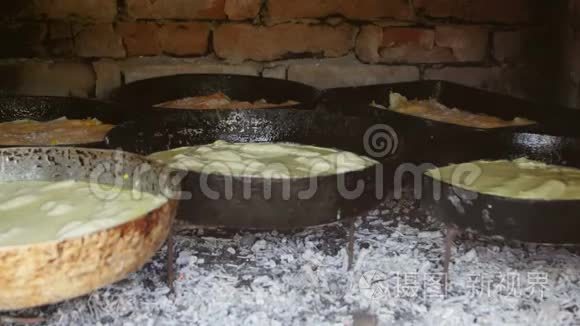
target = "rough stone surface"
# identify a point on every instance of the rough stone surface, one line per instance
(239, 42)
(423, 37)
(179, 39)
(176, 9)
(329, 73)
(283, 10)
(368, 43)
(242, 9)
(108, 77)
(275, 71)
(183, 39)
(47, 78)
(143, 68)
(140, 38)
(98, 41)
(400, 45)
(481, 77)
(410, 53)
(468, 43)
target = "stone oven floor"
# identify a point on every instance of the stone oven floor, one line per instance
(303, 278)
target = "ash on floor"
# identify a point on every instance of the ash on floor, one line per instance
(303, 278)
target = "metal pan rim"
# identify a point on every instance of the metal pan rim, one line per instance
(505, 198)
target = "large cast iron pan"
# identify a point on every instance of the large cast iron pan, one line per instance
(178, 128)
(545, 221)
(48, 272)
(44, 108)
(144, 94)
(426, 136)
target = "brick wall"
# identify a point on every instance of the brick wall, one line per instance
(88, 47)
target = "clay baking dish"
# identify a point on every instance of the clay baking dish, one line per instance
(48, 272)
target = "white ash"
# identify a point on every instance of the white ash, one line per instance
(303, 278)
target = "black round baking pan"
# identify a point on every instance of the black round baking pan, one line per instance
(45, 108)
(237, 202)
(149, 92)
(426, 138)
(543, 221)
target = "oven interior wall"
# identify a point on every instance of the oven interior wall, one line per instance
(87, 48)
(570, 65)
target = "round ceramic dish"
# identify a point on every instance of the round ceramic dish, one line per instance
(48, 272)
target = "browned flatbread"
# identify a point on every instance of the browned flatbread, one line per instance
(55, 132)
(219, 101)
(433, 110)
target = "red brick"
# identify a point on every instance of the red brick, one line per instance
(184, 38)
(140, 38)
(98, 41)
(242, 9)
(238, 42)
(400, 45)
(368, 43)
(284, 10)
(415, 54)
(511, 11)
(393, 37)
(176, 9)
(95, 10)
(468, 43)
(145, 39)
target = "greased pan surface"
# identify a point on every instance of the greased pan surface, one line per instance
(428, 136)
(549, 221)
(45, 108)
(226, 204)
(356, 100)
(49, 272)
(146, 93)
